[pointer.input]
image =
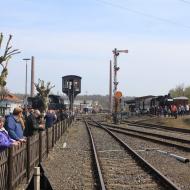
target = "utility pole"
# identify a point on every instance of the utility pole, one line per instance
(32, 77)
(110, 89)
(26, 81)
(116, 68)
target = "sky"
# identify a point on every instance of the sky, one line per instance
(76, 37)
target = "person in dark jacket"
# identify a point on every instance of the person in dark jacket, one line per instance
(33, 124)
(50, 118)
(13, 125)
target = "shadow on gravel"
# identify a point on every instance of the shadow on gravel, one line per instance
(44, 182)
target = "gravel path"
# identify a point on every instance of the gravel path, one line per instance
(70, 167)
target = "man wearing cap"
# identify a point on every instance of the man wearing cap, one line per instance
(13, 125)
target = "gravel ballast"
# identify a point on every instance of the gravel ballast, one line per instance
(70, 167)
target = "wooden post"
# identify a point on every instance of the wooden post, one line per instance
(53, 135)
(55, 132)
(40, 146)
(37, 178)
(10, 168)
(61, 127)
(28, 159)
(47, 140)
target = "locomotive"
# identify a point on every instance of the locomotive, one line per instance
(56, 102)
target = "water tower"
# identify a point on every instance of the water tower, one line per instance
(71, 85)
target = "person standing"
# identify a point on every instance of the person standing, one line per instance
(50, 118)
(33, 123)
(174, 110)
(5, 140)
(14, 126)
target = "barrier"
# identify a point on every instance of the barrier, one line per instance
(17, 162)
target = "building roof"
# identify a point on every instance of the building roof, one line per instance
(144, 97)
(11, 97)
(181, 98)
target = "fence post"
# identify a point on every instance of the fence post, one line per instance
(10, 168)
(53, 135)
(59, 130)
(37, 178)
(55, 132)
(40, 146)
(28, 159)
(61, 127)
(47, 140)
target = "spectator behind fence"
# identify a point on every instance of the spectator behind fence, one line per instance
(62, 115)
(14, 126)
(174, 110)
(5, 140)
(33, 124)
(50, 118)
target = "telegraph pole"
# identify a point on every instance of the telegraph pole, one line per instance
(26, 81)
(32, 77)
(110, 88)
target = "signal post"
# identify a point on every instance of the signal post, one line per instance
(117, 94)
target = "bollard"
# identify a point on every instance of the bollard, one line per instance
(37, 178)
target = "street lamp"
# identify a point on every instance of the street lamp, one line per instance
(26, 81)
(116, 68)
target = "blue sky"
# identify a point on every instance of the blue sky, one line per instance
(78, 36)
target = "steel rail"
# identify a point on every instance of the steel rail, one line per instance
(97, 164)
(149, 125)
(184, 148)
(170, 185)
(151, 134)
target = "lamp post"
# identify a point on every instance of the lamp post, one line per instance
(116, 68)
(26, 81)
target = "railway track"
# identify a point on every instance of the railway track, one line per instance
(118, 166)
(156, 126)
(183, 144)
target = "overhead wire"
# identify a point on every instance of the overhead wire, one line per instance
(143, 14)
(185, 1)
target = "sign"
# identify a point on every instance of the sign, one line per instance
(118, 94)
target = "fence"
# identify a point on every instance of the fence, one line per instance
(17, 163)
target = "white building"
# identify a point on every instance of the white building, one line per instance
(8, 104)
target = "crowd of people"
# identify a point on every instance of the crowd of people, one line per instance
(22, 123)
(171, 110)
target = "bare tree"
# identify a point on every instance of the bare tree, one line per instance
(3, 93)
(43, 92)
(4, 59)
